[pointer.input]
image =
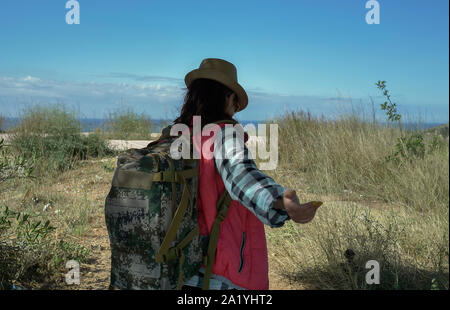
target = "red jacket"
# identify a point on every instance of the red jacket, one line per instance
(241, 254)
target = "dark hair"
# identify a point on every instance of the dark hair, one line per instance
(207, 99)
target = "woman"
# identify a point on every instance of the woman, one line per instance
(241, 257)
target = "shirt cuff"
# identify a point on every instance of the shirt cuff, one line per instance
(277, 217)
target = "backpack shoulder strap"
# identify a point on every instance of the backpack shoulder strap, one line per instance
(223, 204)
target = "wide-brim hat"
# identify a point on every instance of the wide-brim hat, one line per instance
(221, 71)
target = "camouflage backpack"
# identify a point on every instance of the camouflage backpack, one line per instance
(151, 217)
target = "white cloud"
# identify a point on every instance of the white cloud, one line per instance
(93, 97)
(32, 79)
(162, 97)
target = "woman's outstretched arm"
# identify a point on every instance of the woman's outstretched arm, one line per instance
(269, 201)
(245, 182)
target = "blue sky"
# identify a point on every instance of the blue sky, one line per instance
(319, 56)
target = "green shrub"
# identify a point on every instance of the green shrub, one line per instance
(389, 106)
(29, 255)
(47, 119)
(13, 166)
(50, 137)
(410, 146)
(127, 125)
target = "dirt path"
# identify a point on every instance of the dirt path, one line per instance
(95, 272)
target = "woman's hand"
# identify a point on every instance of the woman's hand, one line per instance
(299, 213)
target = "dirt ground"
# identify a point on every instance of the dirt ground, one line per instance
(94, 181)
(95, 272)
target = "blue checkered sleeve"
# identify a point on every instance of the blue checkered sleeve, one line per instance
(244, 181)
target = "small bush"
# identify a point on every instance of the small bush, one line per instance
(50, 137)
(13, 166)
(47, 119)
(28, 253)
(127, 125)
(410, 146)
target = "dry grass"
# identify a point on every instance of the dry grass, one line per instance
(396, 214)
(39, 184)
(2, 123)
(73, 197)
(73, 202)
(126, 125)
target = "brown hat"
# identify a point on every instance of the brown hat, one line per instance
(221, 71)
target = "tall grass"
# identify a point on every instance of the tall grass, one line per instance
(51, 136)
(395, 212)
(48, 177)
(2, 123)
(126, 125)
(47, 119)
(350, 155)
(30, 255)
(46, 142)
(412, 251)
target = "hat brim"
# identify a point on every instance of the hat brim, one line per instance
(221, 78)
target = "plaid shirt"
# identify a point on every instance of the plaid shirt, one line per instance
(246, 184)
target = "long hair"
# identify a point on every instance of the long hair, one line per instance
(207, 99)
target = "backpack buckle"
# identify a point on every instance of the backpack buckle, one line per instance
(161, 258)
